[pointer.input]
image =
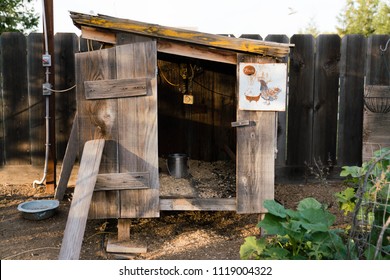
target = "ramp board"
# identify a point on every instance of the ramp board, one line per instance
(78, 213)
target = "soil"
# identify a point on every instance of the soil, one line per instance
(174, 235)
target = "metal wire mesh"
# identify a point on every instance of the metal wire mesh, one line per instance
(377, 99)
(371, 220)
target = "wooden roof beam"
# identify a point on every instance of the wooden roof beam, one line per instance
(161, 32)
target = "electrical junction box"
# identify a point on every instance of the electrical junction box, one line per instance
(46, 89)
(46, 60)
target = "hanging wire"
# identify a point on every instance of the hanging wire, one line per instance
(165, 78)
(60, 91)
(383, 50)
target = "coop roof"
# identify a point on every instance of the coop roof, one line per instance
(103, 28)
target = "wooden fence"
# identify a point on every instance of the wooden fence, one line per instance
(324, 119)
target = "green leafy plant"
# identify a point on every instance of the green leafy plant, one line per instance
(368, 199)
(304, 233)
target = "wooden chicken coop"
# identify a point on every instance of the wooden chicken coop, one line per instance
(124, 124)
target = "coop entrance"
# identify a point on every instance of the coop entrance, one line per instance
(200, 129)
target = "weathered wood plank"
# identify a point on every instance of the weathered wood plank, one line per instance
(326, 90)
(36, 99)
(98, 119)
(78, 213)
(124, 226)
(193, 51)
(125, 247)
(97, 34)
(68, 161)
(350, 131)
(256, 147)
(300, 102)
(15, 98)
(116, 88)
(158, 31)
(66, 45)
(139, 151)
(122, 181)
(187, 204)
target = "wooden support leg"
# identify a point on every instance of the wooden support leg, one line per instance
(124, 245)
(124, 229)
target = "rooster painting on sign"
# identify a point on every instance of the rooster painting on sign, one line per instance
(262, 87)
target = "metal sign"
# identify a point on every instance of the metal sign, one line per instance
(262, 87)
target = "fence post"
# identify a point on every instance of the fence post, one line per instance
(66, 45)
(326, 93)
(350, 132)
(37, 105)
(16, 138)
(300, 103)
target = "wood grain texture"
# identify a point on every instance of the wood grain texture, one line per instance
(78, 213)
(352, 71)
(300, 103)
(98, 119)
(115, 88)
(15, 98)
(326, 92)
(158, 31)
(66, 45)
(256, 147)
(36, 99)
(122, 181)
(188, 204)
(137, 127)
(68, 161)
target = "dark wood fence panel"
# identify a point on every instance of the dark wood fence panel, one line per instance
(300, 102)
(36, 78)
(15, 99)
(378, 66)
(66, 45)
(326, 81)
(282, 116)
(352, 68)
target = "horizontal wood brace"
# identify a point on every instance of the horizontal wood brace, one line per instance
(122, 181)
(120, 88)
(196, 204)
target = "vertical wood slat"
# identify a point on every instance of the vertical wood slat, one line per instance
(378, 62)
(300, 103)
(15, 99)
(255, 167)
(66, 45)
(37, 100)
(326, 97)
(352, 69)
(139, 151)
(282, 116)
(98, 119)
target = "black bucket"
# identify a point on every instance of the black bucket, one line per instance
(177, 165)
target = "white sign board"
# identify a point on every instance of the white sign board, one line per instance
(262, 87)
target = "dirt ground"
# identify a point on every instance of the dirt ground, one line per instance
(175, 235)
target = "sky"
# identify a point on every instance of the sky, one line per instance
(210, 16)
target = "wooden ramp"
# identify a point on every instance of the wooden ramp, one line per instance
(78, 213)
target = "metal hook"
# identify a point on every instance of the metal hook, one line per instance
(385, 49)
